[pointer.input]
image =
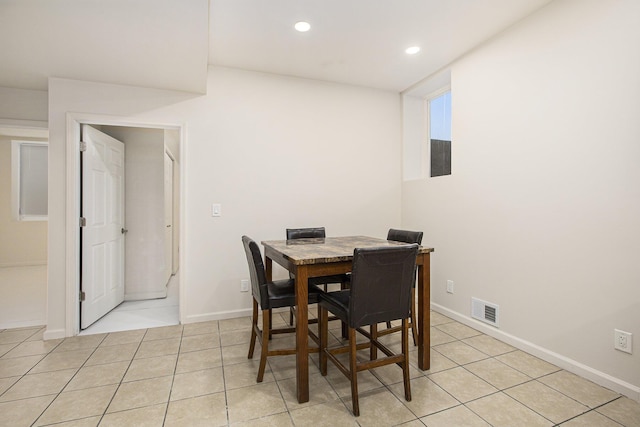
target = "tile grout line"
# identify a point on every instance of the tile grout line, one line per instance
(595, 409)
(72, 377)
(378, 376)
(173, 377)
(287, 409)
(123, 375)
(463, 366)
(224, 378)
(17, 344)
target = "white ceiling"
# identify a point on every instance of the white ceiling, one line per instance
(149, 43)
(167, 44)
(359, 42)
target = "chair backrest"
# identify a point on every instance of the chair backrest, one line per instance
(381, 284)
(305, 233)
(405, 236)
(256, 272)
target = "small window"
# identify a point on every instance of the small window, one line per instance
(440, 134)
(29, 164)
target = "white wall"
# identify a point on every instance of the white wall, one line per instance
(540, 214)
(23, 296)
(22, 107)
(414, 132)
(275, 151)
(22, 243)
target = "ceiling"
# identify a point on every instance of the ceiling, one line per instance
(150, 43)
(168, 44)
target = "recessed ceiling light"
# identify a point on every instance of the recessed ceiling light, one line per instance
(413, 50)
(302, 26)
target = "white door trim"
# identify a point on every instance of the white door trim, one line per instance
(72, 212)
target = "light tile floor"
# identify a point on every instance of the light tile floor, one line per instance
(142, 314)
(199, 374)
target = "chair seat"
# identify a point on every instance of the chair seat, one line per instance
(337, 303)
(282, 293)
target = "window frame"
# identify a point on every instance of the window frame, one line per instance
(16, 162)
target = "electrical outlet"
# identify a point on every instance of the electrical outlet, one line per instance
(450, 286)
(622, 340)
(244, 285)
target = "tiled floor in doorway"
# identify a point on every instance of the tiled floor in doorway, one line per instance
(199, 374)
(140, 314)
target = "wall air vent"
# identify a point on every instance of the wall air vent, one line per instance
(485, 311)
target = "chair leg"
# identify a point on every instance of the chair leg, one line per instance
(323, 325)
(254, 324)
(388, 325)
(319, 323)
(345, 334)
(266, 332)
(353, 372)
(414, 323)
(291, 316)
(405, 363)
(373, 350)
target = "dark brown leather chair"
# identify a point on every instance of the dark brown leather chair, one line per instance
(406, 237)
(306, 233)
(270, 295)
(324, 281)
(381, 286)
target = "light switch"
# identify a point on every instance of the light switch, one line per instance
(216, 209)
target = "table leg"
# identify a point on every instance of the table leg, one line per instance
(302, 331)
(268, 268)
(424, 313)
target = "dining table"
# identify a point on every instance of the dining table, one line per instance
(316, 257)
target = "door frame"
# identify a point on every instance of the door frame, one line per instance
(173, 212)
(72, 208)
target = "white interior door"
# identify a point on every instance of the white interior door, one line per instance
(168, 215)
(102, 278)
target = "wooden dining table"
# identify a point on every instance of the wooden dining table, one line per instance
(334, 255)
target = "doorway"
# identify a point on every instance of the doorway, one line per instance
(23, 241)
(149, 231)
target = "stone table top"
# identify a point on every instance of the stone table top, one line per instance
(328, 249)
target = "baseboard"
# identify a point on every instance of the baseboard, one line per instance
(221, 315)
(22, 324)
(53, 334)
(22, 264)
(598, 377)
